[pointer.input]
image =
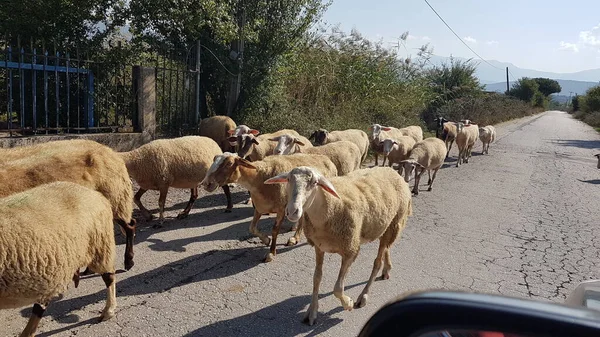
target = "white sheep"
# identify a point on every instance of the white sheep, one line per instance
(47, 233)
(398, 149)
(467, 135)
(345, 155)
(80, 161)
(289, 144)
(358, 137)
(414, 131)
(180, 163)
(231, 168)
(487, 135)
(378, 133)
(258, 147)
(342, 213)
(428, 154)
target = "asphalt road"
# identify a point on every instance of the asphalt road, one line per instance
(521, 221)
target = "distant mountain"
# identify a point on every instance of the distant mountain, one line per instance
(568, 86)
(490, 75)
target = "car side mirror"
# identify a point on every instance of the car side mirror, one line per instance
(458, 314)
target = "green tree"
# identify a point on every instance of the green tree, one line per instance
(575, 103)
(547, 86)
(524, 89)
(591, 100)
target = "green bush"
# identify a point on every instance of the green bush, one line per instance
(591, 100)
(539, 100)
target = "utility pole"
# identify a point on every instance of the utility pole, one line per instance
(237, 53)
(507, 82)
(197, 115)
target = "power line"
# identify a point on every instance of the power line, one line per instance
(461, 40)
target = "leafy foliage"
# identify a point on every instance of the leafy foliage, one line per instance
(547, 86)
(524, 89)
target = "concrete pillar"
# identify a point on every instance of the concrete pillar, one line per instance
(144, 91)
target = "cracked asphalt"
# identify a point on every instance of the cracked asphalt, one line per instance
(521, 221)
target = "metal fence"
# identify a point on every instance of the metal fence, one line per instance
(49, 92)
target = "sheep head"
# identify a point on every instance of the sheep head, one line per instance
(410, 166)
(246, 143)
(302, 184)
(376, 130)
(388, 145)
(320, 136)
(286, 144)
(224, 170)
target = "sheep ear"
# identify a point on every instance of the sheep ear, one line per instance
(255, 141)
(230, 132)
(274, 139)
(278, 179)
(254, 132)
(327, 186)
(244, 162)
(386, 128)
(299, 142)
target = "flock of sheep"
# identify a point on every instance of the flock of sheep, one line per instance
(60, 200)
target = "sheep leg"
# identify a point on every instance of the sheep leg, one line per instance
(384, 158)
(111, 299)
(364, 296)
(313, 309)
(227, 192)
(36, 316)
(188, 207)
(274, 233)
(429, 174)
(432, 179)
(376, 156)
(138, 201)
(458, 160)
(254, 231)
(338, 289)
(417, 180)
(162, 197)
(296, 238)
(130, 234)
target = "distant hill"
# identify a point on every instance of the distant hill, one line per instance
(568, 86)
(491, 75)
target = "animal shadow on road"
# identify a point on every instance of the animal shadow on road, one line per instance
(214, 264)
(593, 181)
(584, 144)
(280, 319)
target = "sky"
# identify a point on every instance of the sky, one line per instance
(558, 36)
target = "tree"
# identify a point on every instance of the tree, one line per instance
(547, 86)
(524, 89)
(591, 100)
(575, 102)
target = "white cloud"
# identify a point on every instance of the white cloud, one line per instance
(426, 38)
(568, 46)
(492, 43)
(470, 39)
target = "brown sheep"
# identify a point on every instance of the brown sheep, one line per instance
(219, 129)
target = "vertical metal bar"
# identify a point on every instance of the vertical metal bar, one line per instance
(170, 91)
(68, 62)
(10, 90)
(197, 112)
(163, 102)
(90, 99)
(46, 88)
(57, 89)
(177, 109)
(34, 89)
(22, 86)
(78, 91)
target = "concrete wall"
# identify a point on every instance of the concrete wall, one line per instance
(144, 120)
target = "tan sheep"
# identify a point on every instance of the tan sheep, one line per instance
(398, 149)
(466, 137)
(428, 154)
(256, 148)
(80, 161)
(341, 214)
(345, 155)
(413, 131)
(289, 144)
(180, 163)
(230, 168)
(379, 133)
(219, 129)
(47, 233)
(487, 135)
(358, 137)
(448, 135)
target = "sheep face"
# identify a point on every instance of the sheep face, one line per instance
(598, 156)
(302, 184)
(409, 166)
(376, 130)
(286, 144)
(246, 144)
(320, 136)
(224, 170)
(243, 130)
(388, 145)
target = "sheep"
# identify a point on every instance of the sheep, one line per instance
(46, 233)
(242, 130)
(466, 137)
(180, 163)
(218, 128)
(397, 150)
(345, 155)
(487, 135)
(289, 144)
(598, 156)
(358, 137)
(341, 213)
(379, 132)
(414, 131)
(231, 168)
(428, 154)
(258, 147)
(85, 162)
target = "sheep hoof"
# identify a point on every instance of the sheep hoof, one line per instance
(429, 189)
(362, 301)
(227, 210)
(129, 264)
(415, 192)
(106, 315)
(181, 216)
(291, 242)
(310, 317)
(269, 257)
(348, 304)
(385, 276)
